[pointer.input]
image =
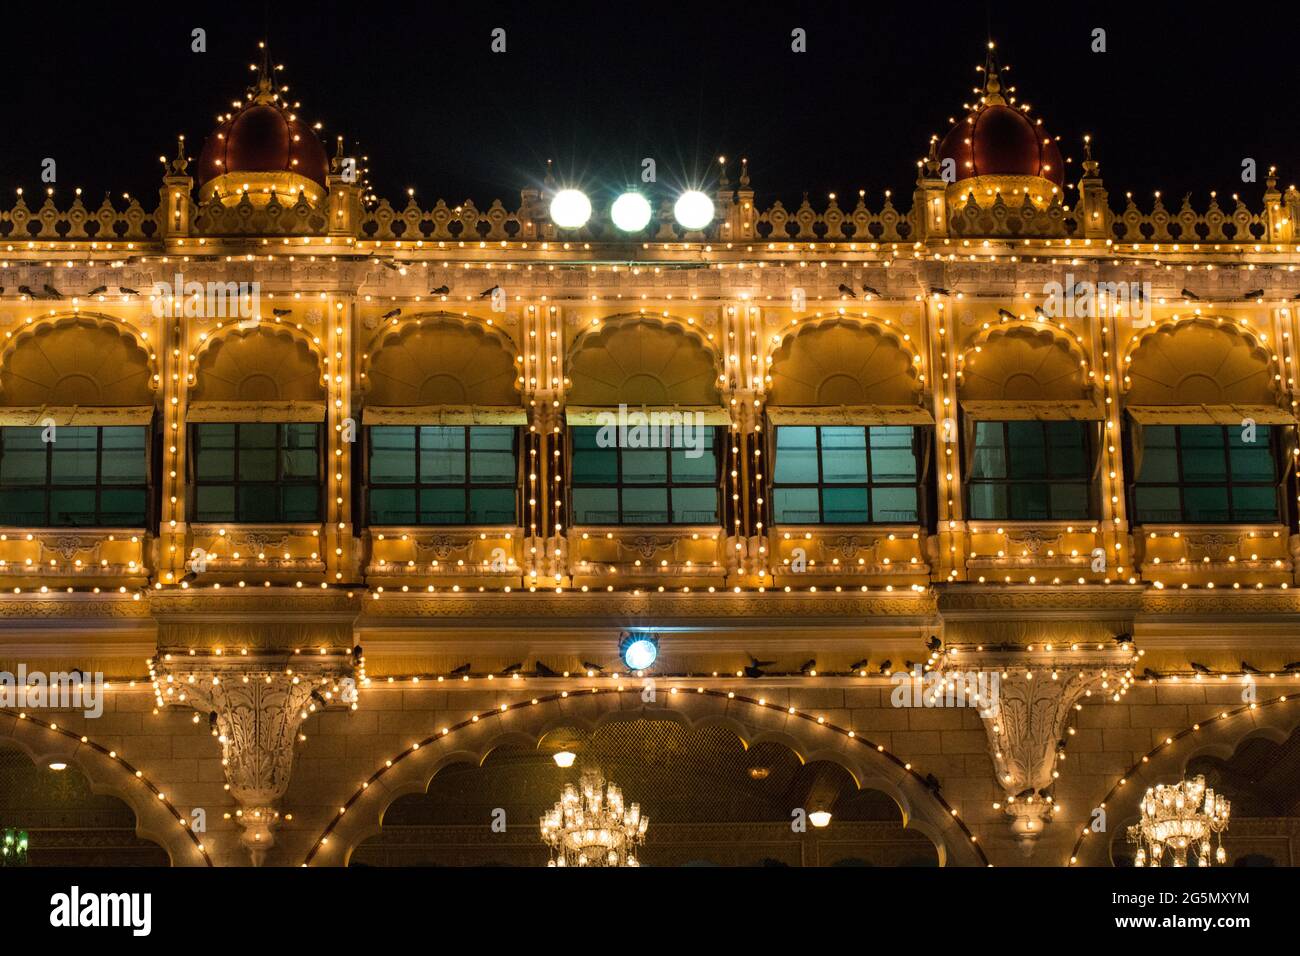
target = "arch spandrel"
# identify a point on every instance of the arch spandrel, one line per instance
(643, 361)
(262, 365)
(843, 363)
(443, 362)
(1023, 364)
(1199, 362)
(80, 361)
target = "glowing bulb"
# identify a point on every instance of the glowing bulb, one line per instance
(820, 818)
(693, 209)
(564, 759)
(630, 212)
(570, 209)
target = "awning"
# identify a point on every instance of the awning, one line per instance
(1080, 410)
(1210, 414)
(291, 412)
(37, 415)
(443, 415)
(599, 415)
(849, 415)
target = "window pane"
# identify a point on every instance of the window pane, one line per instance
(591, 463)
(392, 455)
(1028, 502)
(1203, 455)
(492, 506)
(699, 470)
(1205, 504)
(72, 507)
(844, 505)
(122, 507)
(123, 460)
(892, 457)
(595, 506)
(75, 458)
(692, 505)
(442, 455)
(645, 467)
(1026, 450)
(22, 506)
(1159, 464)
(257, 503)
(1069, 500)
(645, 505)
(215, 460)
(492, 454)
(796, 455)
(300, 454)
(22, 460)
(392, 506)
(1252, 463)
(1068, 444)
(1257, 503)
(894, 505)
(990, 458)
(844, 455)
(214, 503)
(1157, 505)
(795, 505)
(298, 503)
(257, 453)
(988, 501)
(442, 505)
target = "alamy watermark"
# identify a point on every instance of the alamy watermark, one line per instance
(655, 429)
(206, 300)
(1084, 299)
(947, 688)
(57, 690)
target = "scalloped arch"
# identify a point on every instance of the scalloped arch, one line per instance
(413, 771)
(643, 360)
(1199, 360)
(844, 361)
(263, 364)
(441, 359)
(1024, 362)
(155, 819)
(77, 359)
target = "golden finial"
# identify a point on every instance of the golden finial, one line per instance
(180, 164)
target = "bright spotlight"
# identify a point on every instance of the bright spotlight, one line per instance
(820, 818)
(630, 212)
(639, 651)
(565, 759)
(693, 209)
(570, 209)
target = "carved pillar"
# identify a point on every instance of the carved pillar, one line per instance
(1028, 694)
(256, 704)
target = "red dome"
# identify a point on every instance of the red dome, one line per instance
(263, 137)
(1000, 140)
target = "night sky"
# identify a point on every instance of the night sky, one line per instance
(1176, 103)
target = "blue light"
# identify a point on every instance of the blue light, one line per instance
(639, 651)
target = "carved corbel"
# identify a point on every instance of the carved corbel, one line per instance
(256, 705)
(1032, 691)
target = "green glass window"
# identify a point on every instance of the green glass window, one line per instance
(442, 475)
(674, 483)
(88, 476)
(846, 474)
(1031, 471)
(257, 472)
(1206, 474)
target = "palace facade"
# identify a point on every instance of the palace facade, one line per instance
(355, 505)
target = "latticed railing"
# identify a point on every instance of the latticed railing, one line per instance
(107, 223)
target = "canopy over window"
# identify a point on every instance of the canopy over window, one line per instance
(256, 412)
(1210, 414)
(1080, 410)
(849, 415)
(592, 415)
(37, 415)
(444, 415)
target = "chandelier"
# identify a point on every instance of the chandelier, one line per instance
(1179, 818)
(13, 847)
(590, 826)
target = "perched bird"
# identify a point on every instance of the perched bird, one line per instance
(125, 291)
(932, 782)
(319, 698)
(1123, 637)
(1253, 294)
(1025, 794)
(27, 290)
(52, 292)
(280, 311)
(356, 654)
(752, 671)
(98, 290)
(1045, 792)
(487, 293)
(1006, 314)
(870, 291)
(392, 314)
(1247, 669)
(1149, 674)
(1188, 294)
(1293, 666)
(807, 665)
(936, 290)
(389, 264)
(588, 665)
(1060, 744)
(909, 665)
(933, 643)
(1039, 311)
(845, 290)
(457, 671)
(1201, 668)
(441, 290)
(885, 666)
(511, 668)
(543, 671)
(755, 662)
(212, 722)
(858, 665)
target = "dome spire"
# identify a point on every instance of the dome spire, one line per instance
(992, 79)
(265, 91)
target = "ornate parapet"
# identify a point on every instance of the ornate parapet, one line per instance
(1027, 694)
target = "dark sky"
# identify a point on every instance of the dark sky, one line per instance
(1182, 95)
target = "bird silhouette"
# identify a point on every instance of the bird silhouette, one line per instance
(755, 662)
(1188, 294)
(391, 314)
(1201, 668)
(593, 667)
(126, 291)
(511, 668)
(845, 290)
(26, 290)
(487, 293)
(909, 665)
(457, 671)
(280, 311)
(885, 666)
(1025, 794)
(1006, 314)
(1292, 666)
(1149, 674)
(752, 671)
(389, 264)
(1123, 637)
(1246, 668)
(807, 665)
(870, 291)
(441, 290)
(52, 292)
(98, 290)
(932, 782)
(543, 671)
(933, 643)
(1038, 311)
(356, 653)
(858, 665)
(937, 290)
(1253, 294)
